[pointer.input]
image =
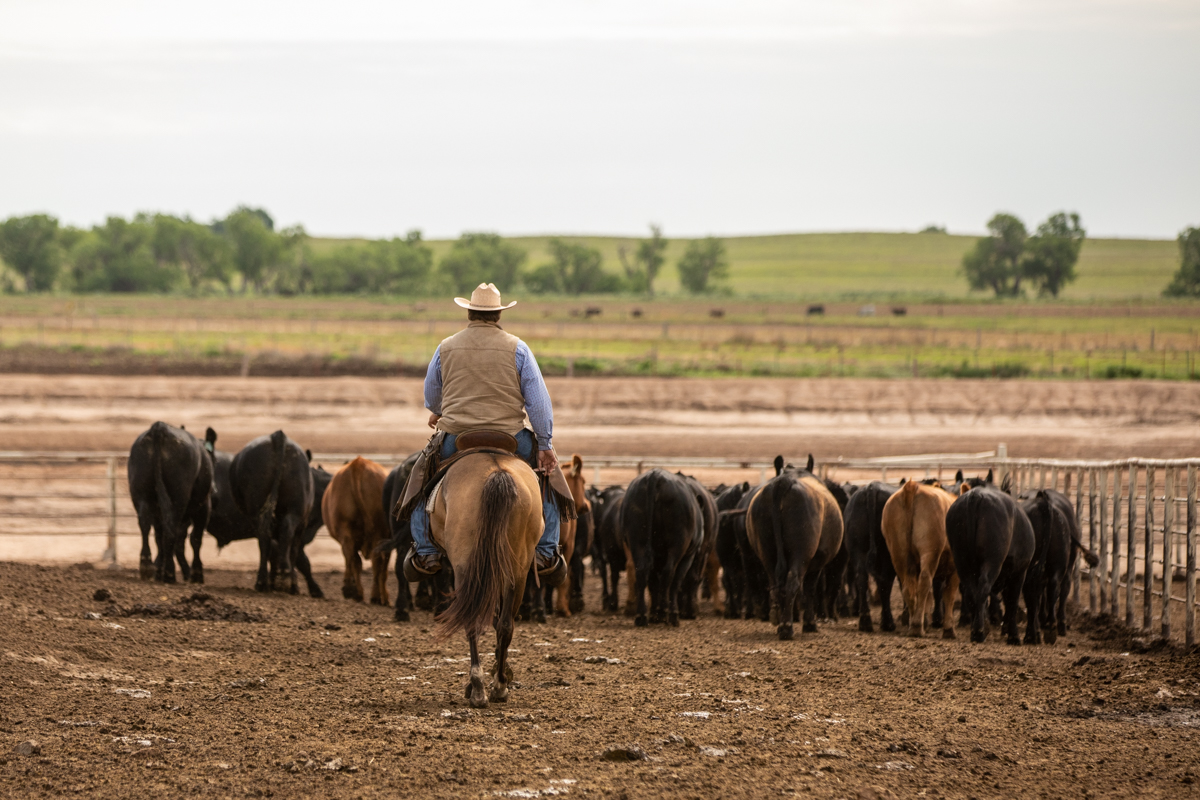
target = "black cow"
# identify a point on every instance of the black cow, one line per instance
(795, 527)
(664, 528)
(831, 588)
(433, 593)
(1053, 517)
(272, 484)
(695, 575)
(869, 554)
(170, 483)
(608, 548)
(993, 544)
(228, 524)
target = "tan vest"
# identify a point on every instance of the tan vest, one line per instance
(480, 384)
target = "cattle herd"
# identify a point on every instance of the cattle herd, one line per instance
(797, 546)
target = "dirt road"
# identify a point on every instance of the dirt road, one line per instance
(333, 699)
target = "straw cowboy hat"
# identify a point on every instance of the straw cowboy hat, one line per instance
(486, 297)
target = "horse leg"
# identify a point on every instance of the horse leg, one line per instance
(474, 691)
(504, 633)
(145, 515)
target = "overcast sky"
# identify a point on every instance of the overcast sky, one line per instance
(574, 116)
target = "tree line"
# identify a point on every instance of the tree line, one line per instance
(244, 252)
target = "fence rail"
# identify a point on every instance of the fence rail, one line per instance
(1144, 532)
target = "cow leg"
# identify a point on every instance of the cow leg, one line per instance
(474, 689)
(785, 606)
(352, 577)
(712, 575)
(576, 577)
(504, 632)
(862, 598)
(199, 523)
(637, 588)
(403, 597)
(885, 584)
(683, 568)
(263, 583)
(1048, 607)
(379, 575)
(287, 544)
(632, 598)
(939, 609)
(145, 515)
(1031, 589)
(1064, 591)
(922, 598)
(305, 568)
(981, 592)
(949, 590)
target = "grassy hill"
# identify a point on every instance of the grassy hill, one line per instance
(852, 266)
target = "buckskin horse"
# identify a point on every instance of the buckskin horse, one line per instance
(487, 518)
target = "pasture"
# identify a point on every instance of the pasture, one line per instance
(622, 337)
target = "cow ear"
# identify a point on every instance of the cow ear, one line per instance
(210, 436)
(811, 463)
(778, 465)
(963, 488)
(989, 479)
(308, 455)
(745, 486)
(958, 477)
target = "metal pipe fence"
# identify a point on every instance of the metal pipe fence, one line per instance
(1142, 529)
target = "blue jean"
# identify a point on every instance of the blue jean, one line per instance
(418, 523)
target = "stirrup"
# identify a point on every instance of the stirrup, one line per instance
(414, 573)
(554, 574)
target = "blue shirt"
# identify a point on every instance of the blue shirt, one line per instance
(533, 389)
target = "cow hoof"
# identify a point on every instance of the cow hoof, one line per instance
(785, 632)
(375, 601)
(1062, 629)
(146, 570)
(315, 593)
(576, 605)
(1050, 635)
(865, 625)
(809, 627)
(1014, 640)
(979, 637)
(673, 620)
(948, 633)
(641, 621)
(401, 615)
(916, 633)
(349, 593)
(197, 576)
(888, 627)
(261, 586)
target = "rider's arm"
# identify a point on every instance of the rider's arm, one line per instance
(537, 398)
(433, 383)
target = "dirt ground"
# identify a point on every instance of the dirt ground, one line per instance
(156, 691)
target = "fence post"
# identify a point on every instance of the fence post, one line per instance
(1168, 541)
(596, 475)
(1102, 504)
(1001, 463)
(110, 553)
(1042, 478)
(1131, 545)
(1054, 479)
(1115, 576)
(1076, 588)
(1189, 614)
(1148, 560)
(1093, 582)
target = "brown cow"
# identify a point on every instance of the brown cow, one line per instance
(353, 512)
(566, 534)
(914, 527)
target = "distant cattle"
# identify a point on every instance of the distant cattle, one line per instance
(592, 311)
(795, 527)
(899, 311)
(272, 484)
(664, 529)
(170, 483)
(716, 313)
(816, 309)
(993, 545)
(353, 514)
(868, 552)
(914, 527)
(228, 524)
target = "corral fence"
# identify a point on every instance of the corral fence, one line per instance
(1138, 515)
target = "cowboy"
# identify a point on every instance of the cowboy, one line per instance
(483, 378)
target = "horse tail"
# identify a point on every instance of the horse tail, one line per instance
(166, 509)
(489, 570)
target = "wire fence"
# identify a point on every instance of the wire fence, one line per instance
(1138, 515)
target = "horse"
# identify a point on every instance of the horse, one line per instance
(487, 518)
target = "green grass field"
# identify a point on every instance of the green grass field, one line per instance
(881, 266)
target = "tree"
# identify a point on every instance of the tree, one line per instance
(257, 250)
(119, 257)
(482, 258)
(1051, 254)
(576, 269)
(995, 262)
(192, 247)
(30, 246)
(703, 261)
(1186, 282)
(647, 261)
(398, 266)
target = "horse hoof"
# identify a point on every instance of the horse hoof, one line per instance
(809, 627)
(865, 625)
(785, 632)
(641, 621)
(498, 695)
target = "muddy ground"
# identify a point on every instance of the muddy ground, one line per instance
(156, 691)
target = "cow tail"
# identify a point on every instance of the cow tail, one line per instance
(489, 570)
(781, 565)
(266, 515)
(166, 509)
(1088, 555)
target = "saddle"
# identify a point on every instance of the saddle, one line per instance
(429, 469)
